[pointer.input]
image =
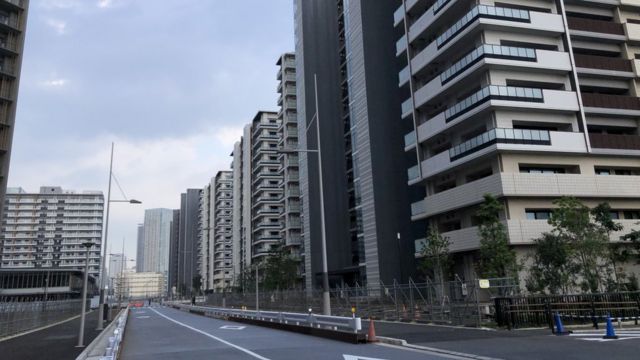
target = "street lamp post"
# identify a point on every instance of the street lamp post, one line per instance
(326, 300)
(88, 245)
(104, 243)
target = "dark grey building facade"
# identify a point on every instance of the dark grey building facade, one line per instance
(172, 279)
(140, 249)
(187, 254)
(349, 47)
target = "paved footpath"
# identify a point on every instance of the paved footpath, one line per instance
(166, 333)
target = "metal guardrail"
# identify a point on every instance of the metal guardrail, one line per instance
(107, 345)
(337, 323)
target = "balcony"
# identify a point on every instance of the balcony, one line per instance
(491, 12)
(493, 92)
(520, 232)
(410, 140)
(509, 20)
(603, 63)
(552, 101)
(612, 141)
(527, 185)
(623, 105)
(561, 142)
(597, 26)
(494, 136)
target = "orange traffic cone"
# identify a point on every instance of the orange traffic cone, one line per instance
(371, 337)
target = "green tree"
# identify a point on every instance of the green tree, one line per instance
(280, 271)
(196, 284)
(551, 266)
(571, 221)
(617, 251)
(497, 258)
(436, 259)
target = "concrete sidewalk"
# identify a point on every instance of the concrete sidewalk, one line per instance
(54, 343)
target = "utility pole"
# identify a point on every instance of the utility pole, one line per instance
(87, 245)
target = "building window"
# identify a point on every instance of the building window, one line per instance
(538, 214)
(541, 170)
(632, 214)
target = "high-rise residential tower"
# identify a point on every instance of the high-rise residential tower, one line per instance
(222, 243)
(348, 47)
(525, 100)
(187, 252)
(46, 230)
(174, 238)
(288, 133)
(140, 249)
(13, 22)
(205, 236)
(266, 191)
(157, 233)
(236, 216)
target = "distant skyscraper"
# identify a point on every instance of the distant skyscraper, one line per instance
(187, 259)
(140, 249)
(13, 16)
(157, 232)
(221, 249)
(46, 229)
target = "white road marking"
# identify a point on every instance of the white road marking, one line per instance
(355, 357)
(597, 336)
(246, 351)
(232, 327)
(143, 317)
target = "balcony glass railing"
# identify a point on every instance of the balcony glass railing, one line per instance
(493, 92)
(439, 4)
(410, 139)
(414, 173)
(487, 50)
(510, 136)
(479, 11)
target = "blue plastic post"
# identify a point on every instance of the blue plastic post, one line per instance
(611, 332)
(559, 327)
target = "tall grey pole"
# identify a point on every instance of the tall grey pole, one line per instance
(84, 296)
(257, 298)
(326, 300)
(104, 248)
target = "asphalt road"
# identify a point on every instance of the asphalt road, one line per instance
(165, 333)
(54, 343)
(518, 344)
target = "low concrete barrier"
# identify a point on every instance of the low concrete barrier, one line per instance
(334, 327)
(106, 346)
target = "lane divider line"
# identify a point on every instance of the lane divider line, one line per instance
(246, 351)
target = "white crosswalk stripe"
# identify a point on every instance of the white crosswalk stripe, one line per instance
(597, 335)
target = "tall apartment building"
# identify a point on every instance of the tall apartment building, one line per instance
(349, 47)
(288, 138)
(526, 100)
(222, 244)
(187, 255)
(140, 249)
(13, 22)
(46, 230)
(236, 216)
(205, 237)
(174, 238)
(265, 185)
(156, 238)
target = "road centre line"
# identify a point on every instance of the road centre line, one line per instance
(247, 351)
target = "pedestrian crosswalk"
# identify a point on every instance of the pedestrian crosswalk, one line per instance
(594, 335)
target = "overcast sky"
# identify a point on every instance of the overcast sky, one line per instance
(171, 82)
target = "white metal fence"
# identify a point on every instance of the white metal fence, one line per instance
(17, 317)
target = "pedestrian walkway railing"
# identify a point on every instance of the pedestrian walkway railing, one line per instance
(338, 323)
(18, 317)
(106, 346)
